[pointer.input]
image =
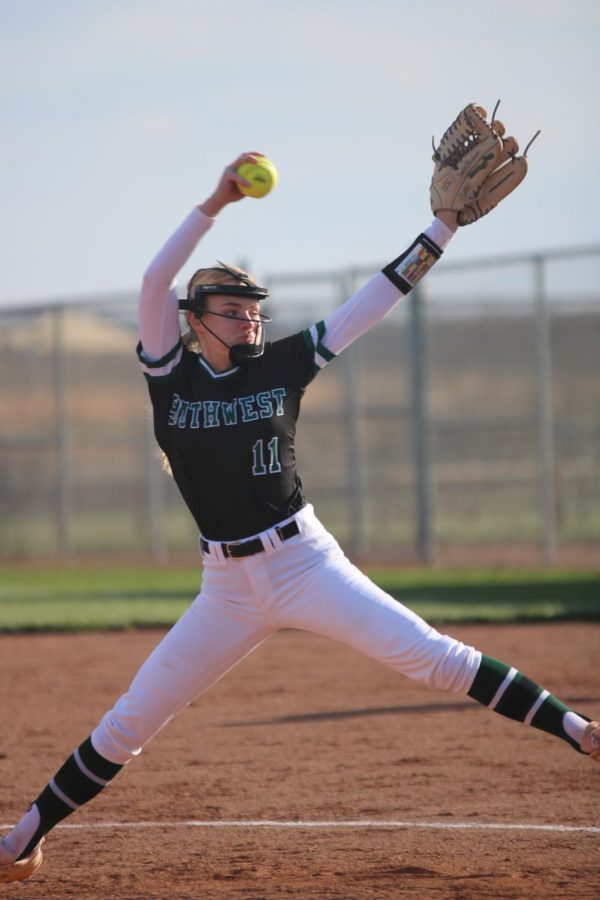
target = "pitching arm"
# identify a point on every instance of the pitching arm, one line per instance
(158, 311)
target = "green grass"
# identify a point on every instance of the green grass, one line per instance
(94, 598)
(497, 595)
(103, 598)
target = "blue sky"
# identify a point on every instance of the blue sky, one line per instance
(119, 116)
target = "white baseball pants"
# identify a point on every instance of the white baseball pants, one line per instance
(305, 582)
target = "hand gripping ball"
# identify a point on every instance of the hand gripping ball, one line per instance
(262, 176)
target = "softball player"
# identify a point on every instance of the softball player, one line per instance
(225, 406)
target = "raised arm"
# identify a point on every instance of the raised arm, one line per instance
(475, 168)
(375, 299)
(158, 313)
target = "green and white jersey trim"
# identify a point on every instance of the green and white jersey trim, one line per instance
(216, 376)
(314, 340)
(159, 370)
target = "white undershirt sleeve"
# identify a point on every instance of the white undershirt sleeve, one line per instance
(158, 311)
(370, 304)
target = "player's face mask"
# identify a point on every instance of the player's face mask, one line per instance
(239, 354)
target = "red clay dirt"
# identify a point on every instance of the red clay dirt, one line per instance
(306, 729)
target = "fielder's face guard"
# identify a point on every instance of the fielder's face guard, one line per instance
(240, 354)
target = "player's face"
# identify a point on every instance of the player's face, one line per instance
(236, 320)
(226, 321)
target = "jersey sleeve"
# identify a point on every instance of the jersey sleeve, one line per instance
(158, 311)
(160, 371)
(375, 299)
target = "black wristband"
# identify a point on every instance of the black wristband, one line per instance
(408, 269)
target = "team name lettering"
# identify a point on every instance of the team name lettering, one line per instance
(214, 413)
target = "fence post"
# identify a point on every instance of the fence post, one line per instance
(545, 417)
(61, 437)
(355, 451)
(420, 418)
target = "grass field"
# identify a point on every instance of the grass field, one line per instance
(109, 598)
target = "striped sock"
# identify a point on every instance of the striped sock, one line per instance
(510, 693)
(81, 778)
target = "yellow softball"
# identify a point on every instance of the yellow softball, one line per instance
(262, 176)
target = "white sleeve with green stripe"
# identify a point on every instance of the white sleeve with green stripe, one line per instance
(158, 371)
(368, 306)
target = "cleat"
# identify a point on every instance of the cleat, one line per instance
(590, 742)
(22, 868)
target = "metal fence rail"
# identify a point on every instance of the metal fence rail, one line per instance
(466, 426)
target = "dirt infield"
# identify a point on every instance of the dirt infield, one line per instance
(307, 730)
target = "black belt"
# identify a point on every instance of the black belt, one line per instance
(240, 549)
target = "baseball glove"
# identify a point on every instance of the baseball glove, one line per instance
(475, 165)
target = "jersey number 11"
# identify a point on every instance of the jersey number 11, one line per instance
(258, 455)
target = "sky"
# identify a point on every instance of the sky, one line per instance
(119, 115)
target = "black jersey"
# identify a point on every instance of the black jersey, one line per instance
(230, 436)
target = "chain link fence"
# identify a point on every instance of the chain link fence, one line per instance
(463, 429)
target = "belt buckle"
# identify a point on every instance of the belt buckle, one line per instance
(228, 549)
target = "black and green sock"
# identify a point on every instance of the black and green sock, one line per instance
(510, 693)
(81, 778)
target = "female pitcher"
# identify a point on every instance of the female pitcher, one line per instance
(226, 404)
